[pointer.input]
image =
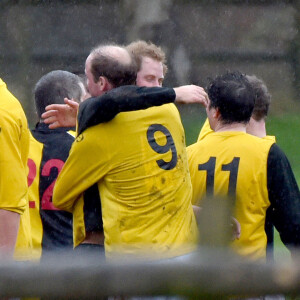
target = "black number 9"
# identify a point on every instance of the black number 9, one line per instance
(166, 165)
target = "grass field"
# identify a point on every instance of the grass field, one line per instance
(286, 128)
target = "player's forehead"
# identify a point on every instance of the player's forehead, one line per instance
(150, 65)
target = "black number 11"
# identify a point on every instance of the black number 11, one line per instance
(210, 166)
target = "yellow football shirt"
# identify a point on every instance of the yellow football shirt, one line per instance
(34, 162)
(235, 162)
(14, 139)
(205, 130)
(139, 161)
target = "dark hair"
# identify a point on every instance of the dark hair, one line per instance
(233, 95)
(53, 87)
(117, 72)
(262, 98)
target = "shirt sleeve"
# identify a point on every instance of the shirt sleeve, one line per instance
(13, 179)
(126, 98)
(284, 197)
(85, 166)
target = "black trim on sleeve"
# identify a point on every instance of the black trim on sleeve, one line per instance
(92, 209)
(269, 229)
(284, 196)
(94, 111)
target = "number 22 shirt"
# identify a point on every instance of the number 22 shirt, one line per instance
(51, 228)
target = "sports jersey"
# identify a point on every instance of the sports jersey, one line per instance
(87, 216)
(52, 228)
(256, 172)
(139, 162)
(14, 139)
(205, 130)
(103, 109)
(33, 163)
(49, 150)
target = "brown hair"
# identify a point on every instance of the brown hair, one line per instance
(139, 49)
(262, 98)
(112, 62)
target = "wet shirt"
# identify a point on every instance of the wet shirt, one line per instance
(49, 150)
(53, 228)
(139, 162)
(14, 139)
(258, 174)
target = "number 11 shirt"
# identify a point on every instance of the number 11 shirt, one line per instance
(257, 173)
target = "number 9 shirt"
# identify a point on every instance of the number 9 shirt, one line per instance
(139, 161)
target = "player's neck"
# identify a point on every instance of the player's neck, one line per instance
(230, 127)
(257, 128)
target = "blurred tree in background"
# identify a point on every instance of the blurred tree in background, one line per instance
(202, 38)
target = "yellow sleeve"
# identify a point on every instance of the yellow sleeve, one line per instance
(86, 165)
(193, 171)
(205, 130)
(33, 177)
(13, 184)
(79, 232)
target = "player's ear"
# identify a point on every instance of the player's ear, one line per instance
(104, 84)
(101, 83)
(216, 113)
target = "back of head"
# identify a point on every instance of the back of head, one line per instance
(233, 95)
(115, 63)
(262, 98)
(53, 87)
(140, 49)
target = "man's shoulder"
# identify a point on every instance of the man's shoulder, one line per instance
(61, 136)
(165, 114)
(232, 140)
(11, 110)
(251, 142)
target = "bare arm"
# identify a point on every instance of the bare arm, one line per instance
(188, 94)
(9, 227)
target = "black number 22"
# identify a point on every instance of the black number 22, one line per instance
(169, 146)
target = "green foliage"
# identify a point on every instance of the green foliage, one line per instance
(192, 122)
(286, 129)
